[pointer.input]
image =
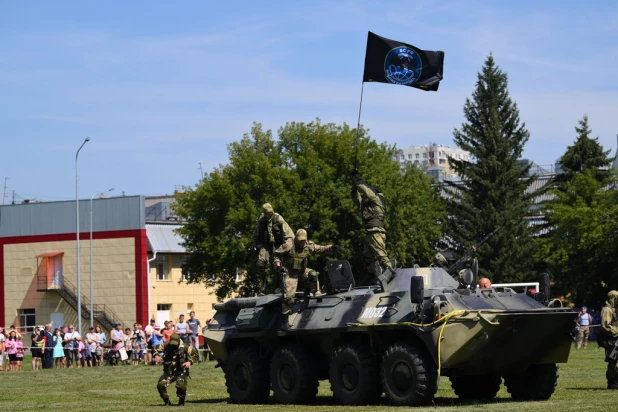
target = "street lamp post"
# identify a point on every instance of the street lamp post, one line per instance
(91, 299)
(79, 285)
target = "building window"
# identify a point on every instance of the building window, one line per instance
(186, 276)
(416, 162)
(162, 271)
(403, 157)
(409, 156)
(27, 319)
(424, 155)
(164, 306)
(417, 156)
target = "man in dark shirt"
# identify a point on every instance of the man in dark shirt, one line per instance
(49, 347)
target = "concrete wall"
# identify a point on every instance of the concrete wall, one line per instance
(114, 283)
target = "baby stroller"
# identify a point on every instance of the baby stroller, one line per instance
(113, 355)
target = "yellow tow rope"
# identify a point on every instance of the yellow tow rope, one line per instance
(443, 319)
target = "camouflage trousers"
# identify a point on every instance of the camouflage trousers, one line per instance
(582, 338)
(265, 256)
(181, 385)
(612, 369)
(291, 282)
(375, 249)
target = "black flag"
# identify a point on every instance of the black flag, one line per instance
(390, 61)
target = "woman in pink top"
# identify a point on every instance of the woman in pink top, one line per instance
(19, 354)
(11, 350)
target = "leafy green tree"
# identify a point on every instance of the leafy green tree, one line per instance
(305, 175)
(585, 154)
(492, 190)
(581, 247)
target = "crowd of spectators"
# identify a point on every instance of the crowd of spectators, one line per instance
(64, 347)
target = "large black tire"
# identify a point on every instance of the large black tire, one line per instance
(538, 383)
(293, 375)
(483, 387)
(354, 375)
(409, 375)
(246, 375)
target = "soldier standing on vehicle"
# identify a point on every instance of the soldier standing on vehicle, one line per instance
(291, 261)
(271, 232)
(372, 207)
(609, 335)
(177, 359)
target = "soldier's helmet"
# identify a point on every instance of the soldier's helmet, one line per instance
(301, 234)
(612, 298)
(267, 208)
(174, 340)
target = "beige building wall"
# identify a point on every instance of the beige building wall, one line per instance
(113, 279)
(181, 297)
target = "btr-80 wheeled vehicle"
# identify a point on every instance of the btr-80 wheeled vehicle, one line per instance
(396, 337)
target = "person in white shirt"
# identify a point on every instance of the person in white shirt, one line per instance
(117, 337)
(71, 339)
(148, 330)
(92, 338)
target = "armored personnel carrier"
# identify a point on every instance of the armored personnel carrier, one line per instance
(394, 338)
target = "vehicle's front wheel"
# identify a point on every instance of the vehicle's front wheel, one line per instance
(293, 375)
(537, 383)
(354, 375)
(409, 375)
(246, 375)
(483, 387)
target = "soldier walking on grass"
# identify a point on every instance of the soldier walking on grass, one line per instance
(372, 208)
(177, 359)
(608, 336)
(291, 260)
(271, 232)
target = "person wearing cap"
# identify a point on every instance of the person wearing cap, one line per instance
(370, 201)
(271, 232)
(177, 359)
(584, 320)
(291, 261)
(608, 335)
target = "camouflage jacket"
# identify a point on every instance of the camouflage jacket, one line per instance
(609, 320)
(173, 359)
(274, 230)
(371, 205)
(295, 259)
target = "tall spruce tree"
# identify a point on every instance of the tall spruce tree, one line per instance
(493, 189)
(585, 154)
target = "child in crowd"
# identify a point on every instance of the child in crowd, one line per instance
(128, 345)
(19, 354)
(82, 354)
(136, 350)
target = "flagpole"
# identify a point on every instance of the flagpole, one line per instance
(360, 108)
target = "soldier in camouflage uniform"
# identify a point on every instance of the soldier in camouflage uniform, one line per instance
(291, 261)
(608, 336)
(271, 232)
(372, 208)
(177, 359)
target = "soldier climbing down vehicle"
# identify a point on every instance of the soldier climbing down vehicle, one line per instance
(291, 262)
(271, 232)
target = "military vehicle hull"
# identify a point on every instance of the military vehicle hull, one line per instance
(387, 339)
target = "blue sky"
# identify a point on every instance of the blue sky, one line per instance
(159, 87)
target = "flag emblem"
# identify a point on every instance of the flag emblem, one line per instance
(402, 65)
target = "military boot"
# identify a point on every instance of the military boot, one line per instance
(167, 402)
(181, 401)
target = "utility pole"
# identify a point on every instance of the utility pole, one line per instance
(13, 197)
(201, 170)
(4, 191)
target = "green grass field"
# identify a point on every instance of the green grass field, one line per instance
(581, 387)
